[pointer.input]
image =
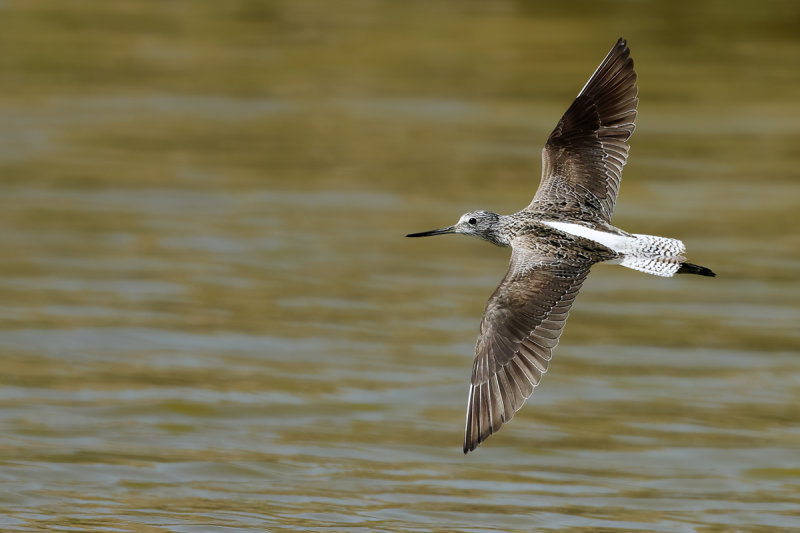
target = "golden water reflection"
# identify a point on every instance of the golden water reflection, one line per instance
(211, 318)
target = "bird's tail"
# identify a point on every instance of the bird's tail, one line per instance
(660, 256)
(691, 268)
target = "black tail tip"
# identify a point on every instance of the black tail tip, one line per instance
(691, 268)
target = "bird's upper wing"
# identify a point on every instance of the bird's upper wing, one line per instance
(520, 327)
(583, 158)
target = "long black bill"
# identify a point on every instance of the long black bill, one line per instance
(442, 231)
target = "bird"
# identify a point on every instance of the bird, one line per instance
(554, 242)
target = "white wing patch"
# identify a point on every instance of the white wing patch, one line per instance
(660, 256)
(619, 243)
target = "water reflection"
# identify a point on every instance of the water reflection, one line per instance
(211, 319)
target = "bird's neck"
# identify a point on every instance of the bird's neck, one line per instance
(498, 234)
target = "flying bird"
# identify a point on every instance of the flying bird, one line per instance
(555, 241)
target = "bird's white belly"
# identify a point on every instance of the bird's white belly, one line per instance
(618, 243)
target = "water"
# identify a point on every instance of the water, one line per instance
(211, 320)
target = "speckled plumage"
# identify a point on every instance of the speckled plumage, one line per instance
(555, 241)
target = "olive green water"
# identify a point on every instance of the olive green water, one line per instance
(211, 320)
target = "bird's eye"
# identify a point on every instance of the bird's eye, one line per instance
(472, 221)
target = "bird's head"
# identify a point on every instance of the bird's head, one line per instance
(482, 224)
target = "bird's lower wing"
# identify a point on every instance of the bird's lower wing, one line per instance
(520, 327)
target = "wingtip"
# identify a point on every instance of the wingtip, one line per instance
(469, 447)
(622, 47)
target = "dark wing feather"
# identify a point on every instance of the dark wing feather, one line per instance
(521, 325)
(583, 158)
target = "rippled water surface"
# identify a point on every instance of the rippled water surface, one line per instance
(211, 321)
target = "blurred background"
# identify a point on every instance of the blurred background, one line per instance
(211, 319)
